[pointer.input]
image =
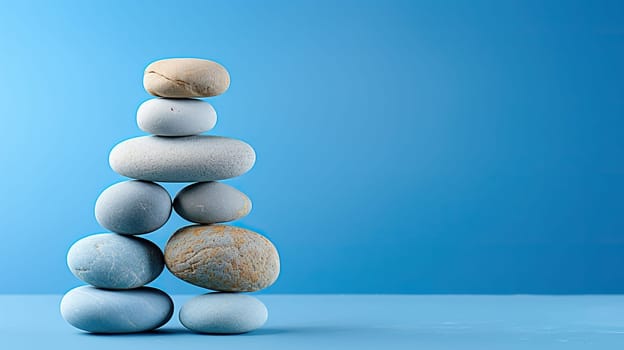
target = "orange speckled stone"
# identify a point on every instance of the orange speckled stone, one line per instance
(221, 257)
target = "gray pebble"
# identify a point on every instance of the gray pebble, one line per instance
(113, 261)
(223, 313)
(176, 117)
(185, 77)
(223, 258)
(182, 159)
(126, 311)
(211, 202)
(133, 207)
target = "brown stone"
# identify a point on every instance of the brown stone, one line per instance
(221, 257)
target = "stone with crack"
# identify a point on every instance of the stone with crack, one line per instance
(185, 77)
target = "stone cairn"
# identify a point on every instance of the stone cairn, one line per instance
(223, 258)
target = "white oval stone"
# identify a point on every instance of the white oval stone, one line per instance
(116, 311)
(223, 313)
(211, 202)
(176, 117)
(182, 159)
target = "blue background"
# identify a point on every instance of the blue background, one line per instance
(403, 146)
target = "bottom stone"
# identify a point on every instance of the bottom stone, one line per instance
(223, 313)
(121, 311)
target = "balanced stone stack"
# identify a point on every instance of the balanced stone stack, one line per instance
(223, 258)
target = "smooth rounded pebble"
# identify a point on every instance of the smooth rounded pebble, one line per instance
(211, 202)
(113, 261)
(133, 207)
(223, 313)
(223, 258)
(176, 117)
(182, 159)
(185, 77)
(122, 311)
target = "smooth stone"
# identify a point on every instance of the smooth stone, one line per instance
(223, 258)
(122, 311)
(113, 261)
(176, 117)
(211, 202)
(182, 159)
(223, 313)
(185, 77)
(133, 207)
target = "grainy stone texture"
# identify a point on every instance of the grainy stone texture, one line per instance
(121, 311)
(223, 258)
(176, 117)
(133, 207)
(182, 159)
(211, 202)
(113, 261)
(223, 313)
(185, 77)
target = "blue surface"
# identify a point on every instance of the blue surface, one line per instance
(403, 146)
(355, 322)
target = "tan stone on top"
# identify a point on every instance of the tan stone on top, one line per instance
(185, 78)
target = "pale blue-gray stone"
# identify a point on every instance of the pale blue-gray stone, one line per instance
(113, 261)
(211, 202)
(223, 313)
(176, 117)
(182, 159)
(125, 311)
(133, 207)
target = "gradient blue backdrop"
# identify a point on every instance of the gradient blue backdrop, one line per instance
(403, 146)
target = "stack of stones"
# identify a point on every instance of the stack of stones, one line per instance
(219, 257)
